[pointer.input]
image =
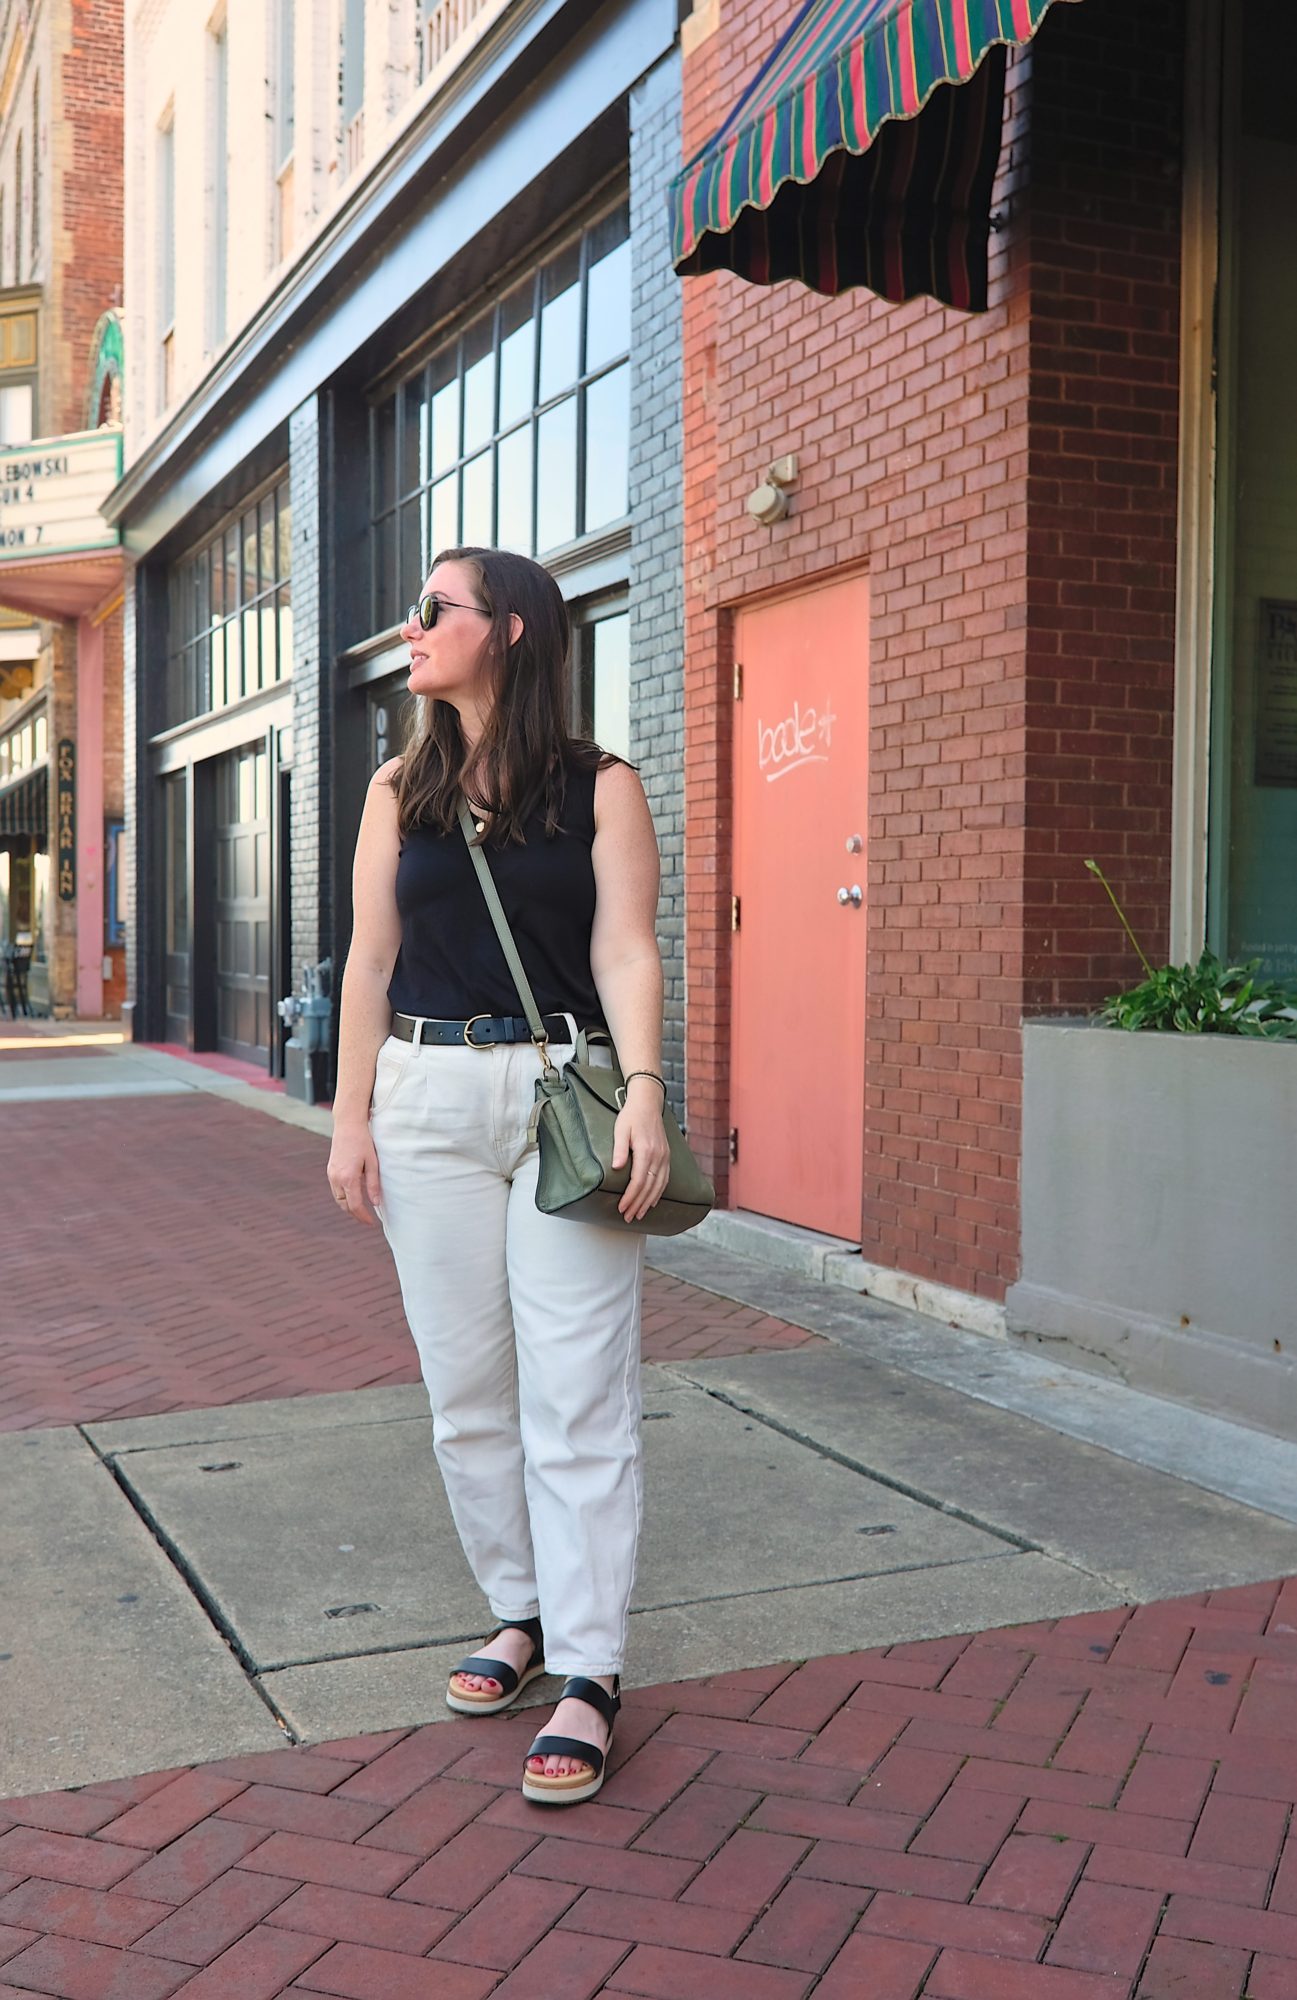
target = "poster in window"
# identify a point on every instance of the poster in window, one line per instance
(1276, 693)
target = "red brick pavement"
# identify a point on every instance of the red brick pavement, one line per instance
(1098, 1808)
(182, 1253)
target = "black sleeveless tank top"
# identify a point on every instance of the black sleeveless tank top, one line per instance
(451, 964)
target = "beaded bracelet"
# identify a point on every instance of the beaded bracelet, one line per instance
(649, 1073)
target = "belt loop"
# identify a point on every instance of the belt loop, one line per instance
(418, 1032)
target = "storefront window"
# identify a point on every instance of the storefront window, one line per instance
(231, 611)
(603, 676)
(115, 885)
(1252, 885)
(515, 434)
(40, 867)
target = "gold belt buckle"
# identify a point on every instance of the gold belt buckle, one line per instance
(468, 1033)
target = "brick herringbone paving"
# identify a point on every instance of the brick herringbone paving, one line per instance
(180, 1253)
(1098, 1808)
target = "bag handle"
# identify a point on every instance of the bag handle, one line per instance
(505, 935)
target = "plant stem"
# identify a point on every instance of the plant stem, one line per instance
(1095, 869)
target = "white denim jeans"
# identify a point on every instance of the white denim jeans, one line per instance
(528, 1331)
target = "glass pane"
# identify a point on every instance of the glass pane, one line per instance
(517, 355)
(285, 633)
(251, 654)
(285, 533)
(1254, 746)
(612, 683)
(477, 502)
(445, 516)
(200, 675)
(231, 570)
(266, 513)
(412, 441)
(249, 555)
(413, 566)
(479, 383)
(556, 476)
(219, 695)
(560, 322)
(271, 669)
(384, 437)
(233, 657)
(607, 311)
(513, 484)
(445, 411)
(607, 448)
(216, 568)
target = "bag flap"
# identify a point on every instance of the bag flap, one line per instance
(601, 1083)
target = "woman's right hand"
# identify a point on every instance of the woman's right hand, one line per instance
(353, 1172)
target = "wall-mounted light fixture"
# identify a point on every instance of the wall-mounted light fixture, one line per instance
(769, 502)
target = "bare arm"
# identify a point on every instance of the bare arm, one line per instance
(365, 1015)
(627, 968)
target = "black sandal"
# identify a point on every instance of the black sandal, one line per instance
(511, 1681)
(577, 1785)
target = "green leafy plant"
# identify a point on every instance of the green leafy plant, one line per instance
(1209, 998)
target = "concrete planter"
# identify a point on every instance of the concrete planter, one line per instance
(1159, 1213)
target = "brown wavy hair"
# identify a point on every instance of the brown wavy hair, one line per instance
(522, 759)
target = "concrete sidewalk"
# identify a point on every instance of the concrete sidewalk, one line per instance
(893, 1726)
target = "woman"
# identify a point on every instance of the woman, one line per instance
(527, 1325)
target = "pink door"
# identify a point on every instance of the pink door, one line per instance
(801, 790)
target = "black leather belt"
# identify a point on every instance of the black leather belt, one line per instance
(481, 1031)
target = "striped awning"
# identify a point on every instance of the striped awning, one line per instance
(862, 153)
(24, 805)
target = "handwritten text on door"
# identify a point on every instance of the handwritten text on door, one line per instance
(786, 746)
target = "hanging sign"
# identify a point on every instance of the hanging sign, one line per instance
(1276, 694)
(50, 494)
(65, 819)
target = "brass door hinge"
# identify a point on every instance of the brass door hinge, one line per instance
(735, 912)
(738, 681)
(734, 1145)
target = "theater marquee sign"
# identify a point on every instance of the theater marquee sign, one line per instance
(50, 495)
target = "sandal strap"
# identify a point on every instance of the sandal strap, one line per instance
(578, 1688)
(568, 1746)
(500, 1670)
(489, 1670)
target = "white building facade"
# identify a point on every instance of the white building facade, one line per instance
(397, 278)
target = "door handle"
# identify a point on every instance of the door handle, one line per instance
(855, 894)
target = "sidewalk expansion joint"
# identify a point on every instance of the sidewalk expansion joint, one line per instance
(930, 1500)
(190, 1577)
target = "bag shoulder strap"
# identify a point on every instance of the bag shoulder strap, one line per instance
(501, 922)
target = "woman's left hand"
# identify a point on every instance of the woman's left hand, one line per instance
(640, 1136)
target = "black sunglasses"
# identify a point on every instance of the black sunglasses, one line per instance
(429, 609)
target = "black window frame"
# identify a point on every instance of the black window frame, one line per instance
(193, 678)
(404, 512)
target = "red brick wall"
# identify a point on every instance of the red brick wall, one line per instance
(1104, 231)
(86, 152)
(931, 447)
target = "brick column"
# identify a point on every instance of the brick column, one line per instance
(1104, 225)
(309, 819)
(657, 549)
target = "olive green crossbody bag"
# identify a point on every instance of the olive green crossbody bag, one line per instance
(576, 1111)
